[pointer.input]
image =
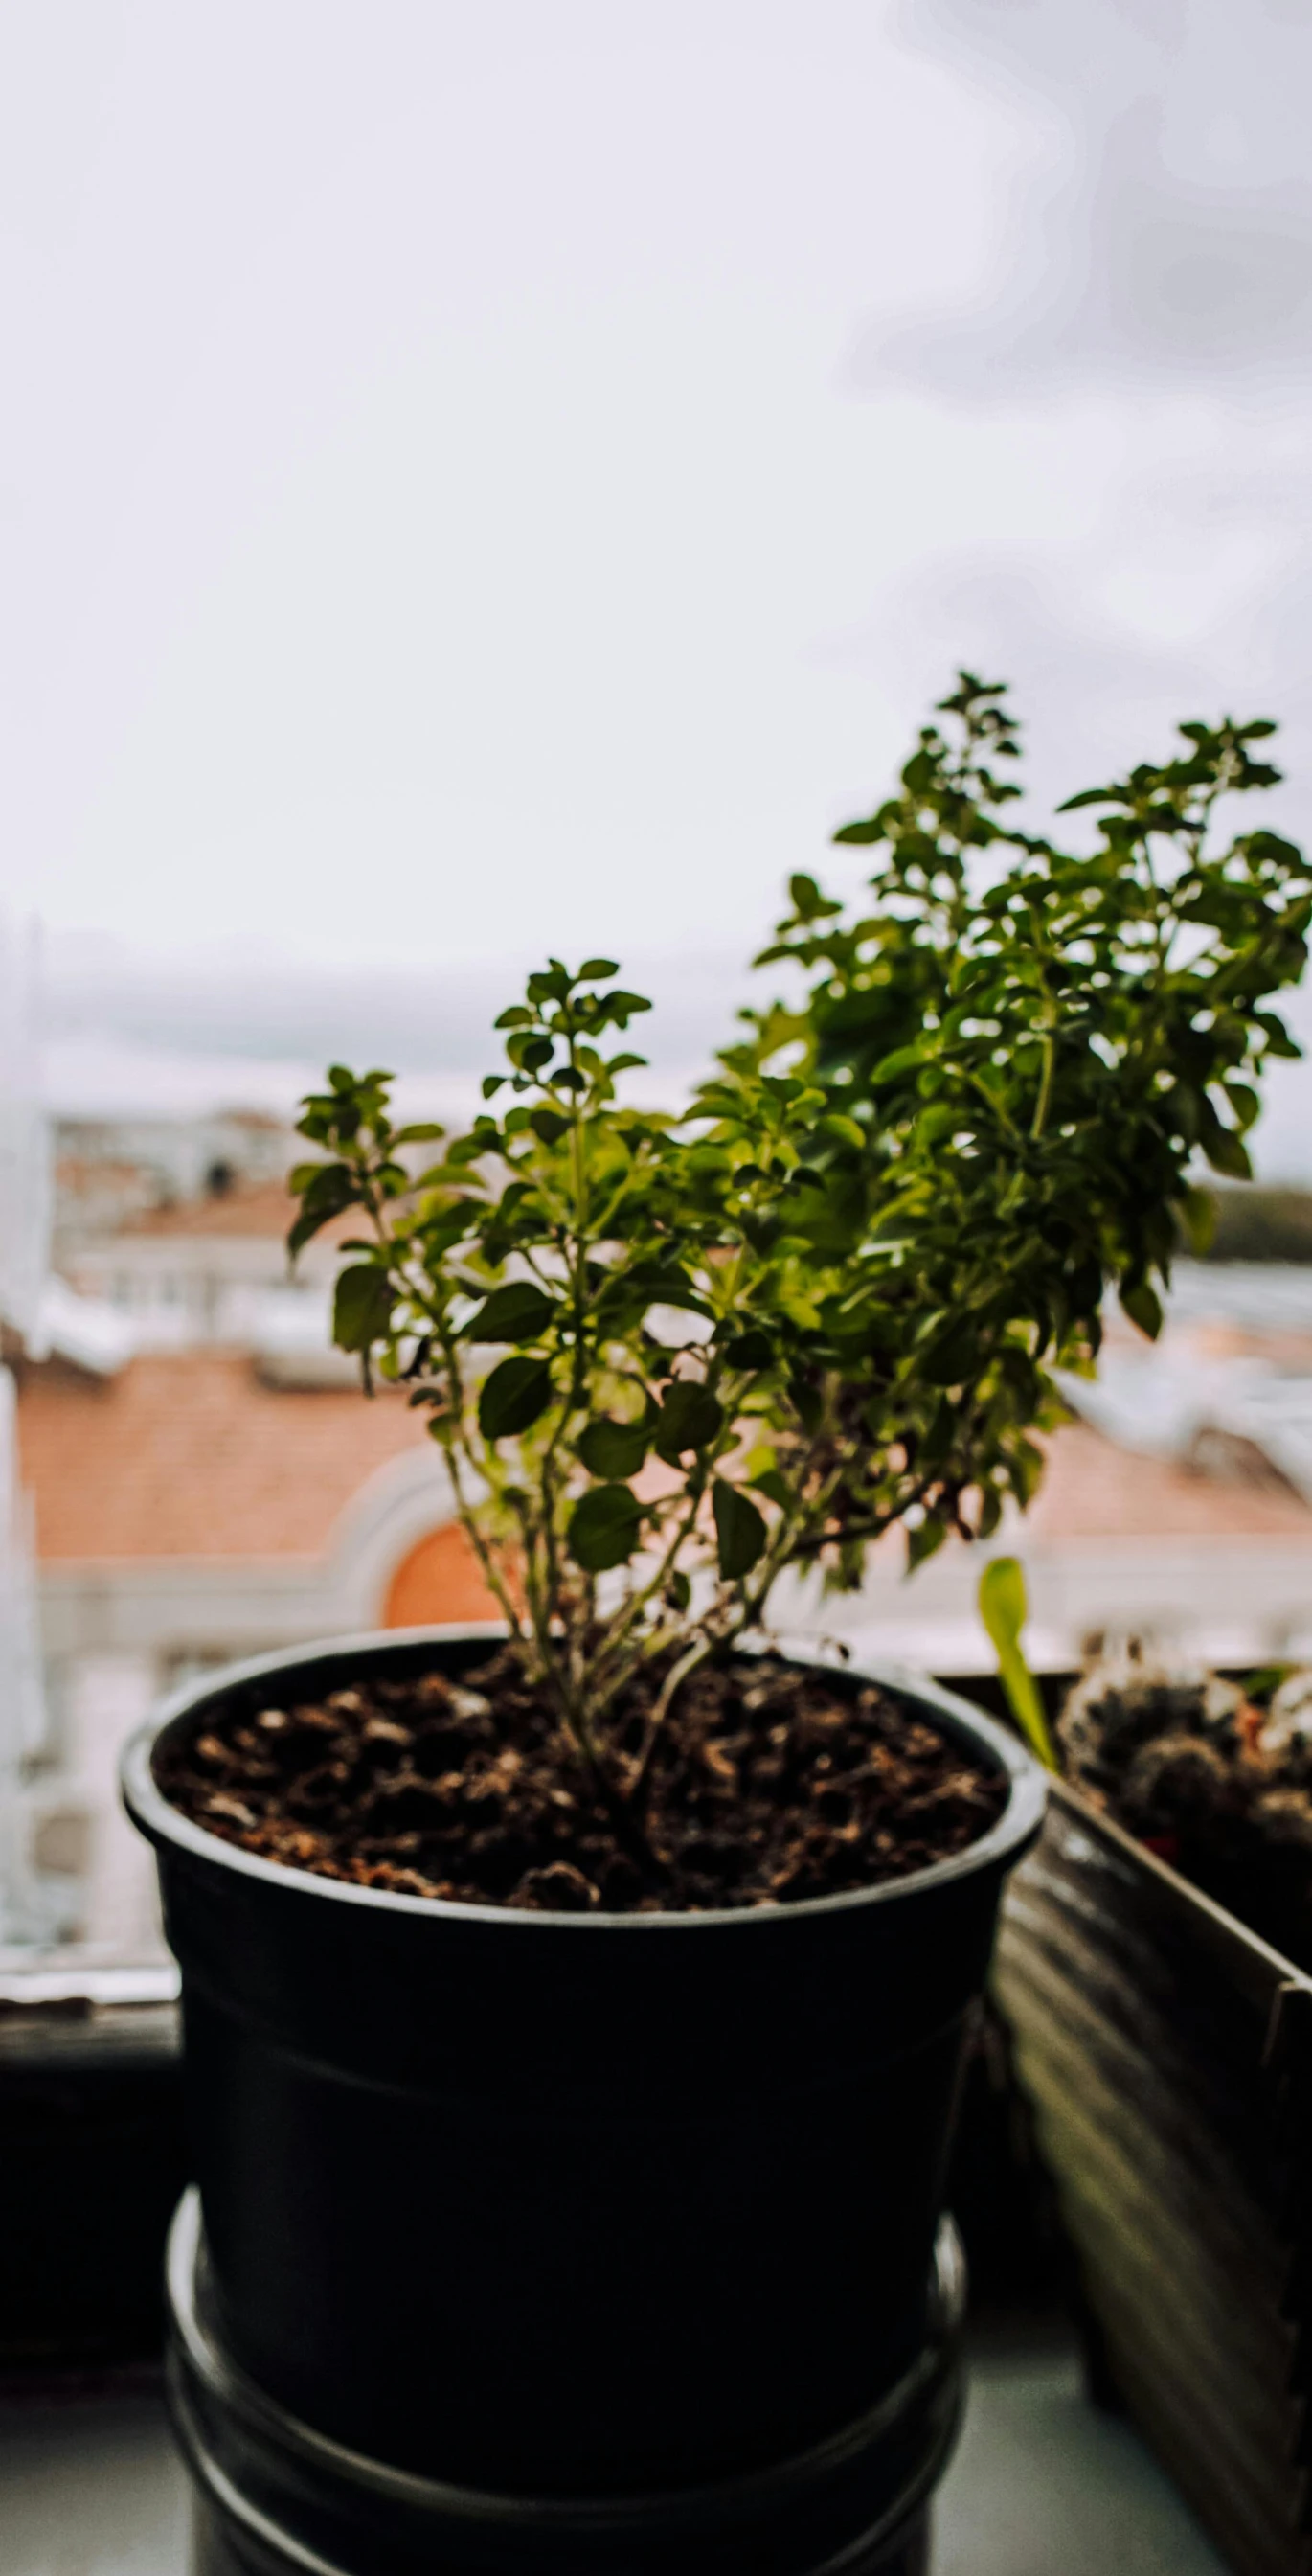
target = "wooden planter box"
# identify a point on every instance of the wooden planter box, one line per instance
(1166, 2053)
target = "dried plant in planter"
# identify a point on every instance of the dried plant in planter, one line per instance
(1214, 1777)
(666, 1358)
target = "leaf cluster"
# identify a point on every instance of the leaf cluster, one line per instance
(666, 1358)
(1041, 1047)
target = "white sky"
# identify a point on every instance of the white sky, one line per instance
(482, 479)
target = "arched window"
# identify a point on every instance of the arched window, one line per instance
(438, 1579)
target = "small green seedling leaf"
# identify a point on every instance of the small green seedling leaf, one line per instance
(1004, 1609)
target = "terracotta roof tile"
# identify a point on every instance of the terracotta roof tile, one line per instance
(265, 1209)
(187, 1454)
(1094, 1490)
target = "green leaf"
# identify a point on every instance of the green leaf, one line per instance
(775, 1487)
(957, 1357)
(808, 1403)
(604, 1528)
(620, 1006)
(457, 1174)
(1228, 1152)
(841, 1130)
(362, 1306)
(1004, 1609)
(425, 1133)
(689, 1418)
(1268, 1677)
(1143, 1306)
(1279, 1041)
(513, 1397)
(750, 1350)
(448, 1224)
(1244, 1102)
(904, 1059)
(519, 1312)
(329, 1188)
(740, 1531)
(665, 1284)
(808, 902)
(613, 1448)
(596, 970)
(1198, 1213)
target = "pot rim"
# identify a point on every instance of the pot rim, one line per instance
(163, 1823)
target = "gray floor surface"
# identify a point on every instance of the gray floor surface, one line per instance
(1041, 2485)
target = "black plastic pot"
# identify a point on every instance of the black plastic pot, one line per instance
(1167, 2052)
(273, 2497)
(554, 2205)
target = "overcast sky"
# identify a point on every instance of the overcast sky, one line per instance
(481, 480)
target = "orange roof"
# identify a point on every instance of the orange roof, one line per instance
(263, 1209)
(266, 1209)
(187, 1454)
(1094, 1490)
(72, 1171)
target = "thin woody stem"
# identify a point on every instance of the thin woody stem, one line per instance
(678, 1673)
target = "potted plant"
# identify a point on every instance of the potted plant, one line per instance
(574, 2010)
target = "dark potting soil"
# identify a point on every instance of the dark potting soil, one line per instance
(769, 1784)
